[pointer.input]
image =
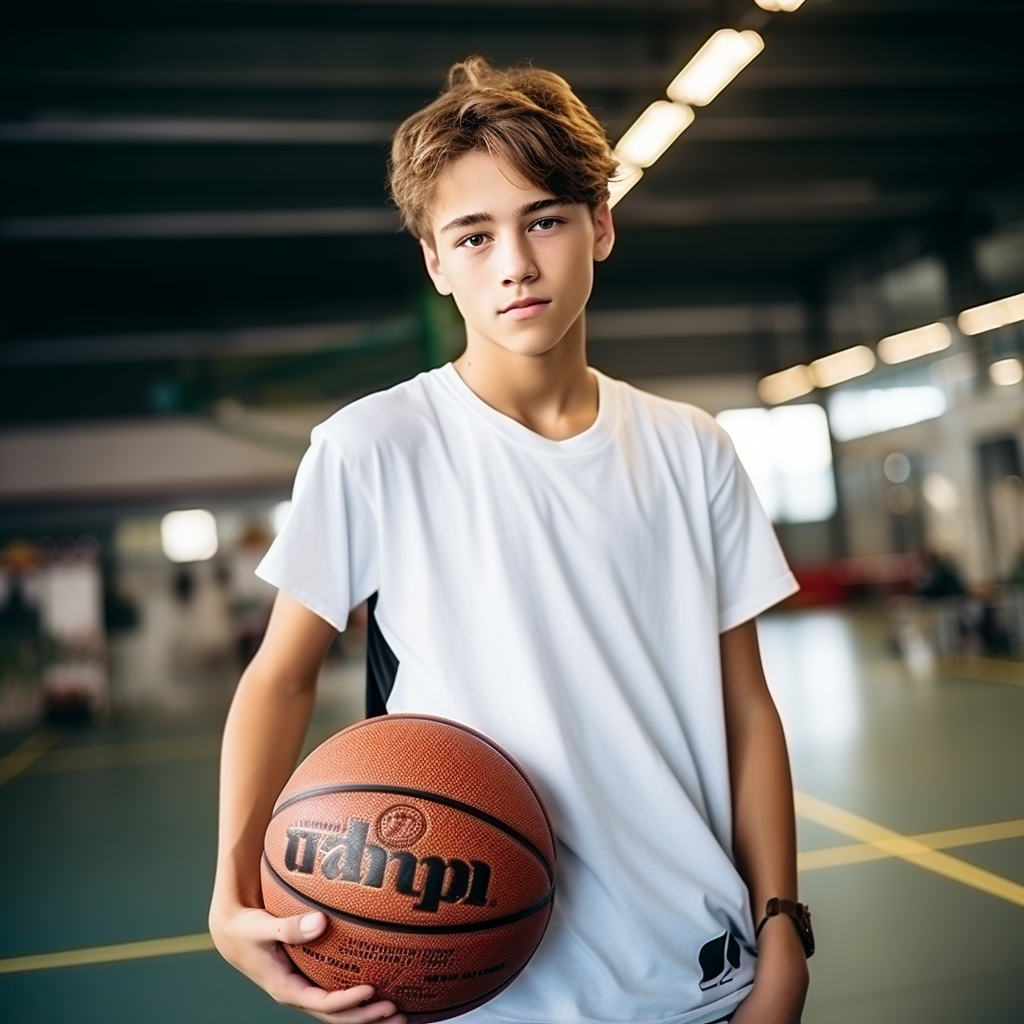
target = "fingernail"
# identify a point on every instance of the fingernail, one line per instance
(309, 924)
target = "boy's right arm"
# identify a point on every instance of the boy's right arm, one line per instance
(262, 739)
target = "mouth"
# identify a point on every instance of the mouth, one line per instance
(530, 302)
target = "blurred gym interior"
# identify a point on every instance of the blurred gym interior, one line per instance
(200, 263)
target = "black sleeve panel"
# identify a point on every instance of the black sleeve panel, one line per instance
(381, 664)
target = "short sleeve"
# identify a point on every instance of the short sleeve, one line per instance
(750, 568)
(326, 554)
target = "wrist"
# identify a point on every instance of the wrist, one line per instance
(800, 922)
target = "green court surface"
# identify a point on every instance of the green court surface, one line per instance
(911, 834)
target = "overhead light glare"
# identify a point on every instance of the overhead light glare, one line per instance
(1006, 371)
(992, 315)
(653, 132)
(714, 66)
(624, 178)
(189, 535)
(921, 341)
(858, 412)
(779, 5)
(954, 369)
(279, 516)
(785, 385)
(842, 366)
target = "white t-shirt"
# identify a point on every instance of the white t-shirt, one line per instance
(565, 598)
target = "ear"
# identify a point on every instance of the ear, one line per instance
(604, 232)
(434, 268)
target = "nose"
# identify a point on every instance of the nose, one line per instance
(518, 264)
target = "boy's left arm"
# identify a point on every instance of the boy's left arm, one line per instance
(764, 828)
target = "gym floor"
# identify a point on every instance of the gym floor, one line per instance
(911, 821)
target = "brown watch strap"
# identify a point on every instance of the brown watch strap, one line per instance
(798, 913)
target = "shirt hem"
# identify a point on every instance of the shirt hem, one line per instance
(308, 599)
(763, 599)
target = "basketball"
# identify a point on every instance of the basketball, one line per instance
(431, 855)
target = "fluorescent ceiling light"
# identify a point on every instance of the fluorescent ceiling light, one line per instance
(841, 366)
(779, 5)
(921, 341)
(714, 66)
(653, 132)
(625, 177)
(992, 315)
(1006, 371)
(786, 384)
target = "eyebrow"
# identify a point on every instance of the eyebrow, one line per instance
(472, 219)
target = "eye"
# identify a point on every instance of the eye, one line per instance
(473, 241)
(547, 223)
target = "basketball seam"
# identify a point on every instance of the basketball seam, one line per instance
(422, 794)
(508, 758)
(409, 929)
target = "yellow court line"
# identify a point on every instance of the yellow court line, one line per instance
(117, 755)
(199, 943)
(859, 853)
(23, 755)
(907, 848)
(988, 670)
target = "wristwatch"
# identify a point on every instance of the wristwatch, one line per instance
(798, 913)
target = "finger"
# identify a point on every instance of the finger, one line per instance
(260, 926)
(372, 1013)
(297, 991)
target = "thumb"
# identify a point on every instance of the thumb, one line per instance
(297, 929)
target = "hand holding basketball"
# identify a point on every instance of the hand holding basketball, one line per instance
(250, 940)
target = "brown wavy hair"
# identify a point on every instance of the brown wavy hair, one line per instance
(524, 116)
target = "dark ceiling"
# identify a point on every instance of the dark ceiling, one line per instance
(193, 199)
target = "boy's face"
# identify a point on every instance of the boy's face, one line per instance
(519, 263)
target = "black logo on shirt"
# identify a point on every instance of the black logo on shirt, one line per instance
(347, 857)
(718, 959)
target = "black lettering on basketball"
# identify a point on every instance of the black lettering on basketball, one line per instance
(308, 839)
(343, 854)
(347, 857)
(481, 880)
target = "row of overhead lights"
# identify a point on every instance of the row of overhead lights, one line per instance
(898, 348)
(710, 70)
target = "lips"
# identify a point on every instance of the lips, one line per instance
(523, 304)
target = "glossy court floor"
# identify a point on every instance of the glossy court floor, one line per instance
(911, 822)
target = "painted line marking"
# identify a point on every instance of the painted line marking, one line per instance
(27, 752)
(859, 853)
(987, 670)
(908, 848)
(198, 943)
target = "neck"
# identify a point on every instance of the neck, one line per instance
(553, 393)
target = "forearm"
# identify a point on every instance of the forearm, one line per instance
(764, 824)
(263, 736)
(764, 828)
(262, 739)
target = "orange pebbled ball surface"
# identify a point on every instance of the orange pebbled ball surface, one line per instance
(429, 851)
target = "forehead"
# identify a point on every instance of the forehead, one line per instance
(476, 182)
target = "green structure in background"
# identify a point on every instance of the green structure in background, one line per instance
(384, 353)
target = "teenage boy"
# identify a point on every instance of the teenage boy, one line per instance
(561, 561)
